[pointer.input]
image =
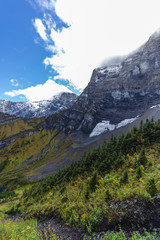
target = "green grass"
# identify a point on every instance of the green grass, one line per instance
(19, 229)
(110, 235)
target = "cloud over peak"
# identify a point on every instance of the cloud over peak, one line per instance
(40, 92)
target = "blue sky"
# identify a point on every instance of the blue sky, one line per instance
(20, 58)
(22, 50)
(49, 46)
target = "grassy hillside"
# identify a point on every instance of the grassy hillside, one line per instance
(25, 146)
(123, 169)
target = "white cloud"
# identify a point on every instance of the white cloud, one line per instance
(46, 4)
(43, 4)
(40, 28)
(40, 92)
(99, 29)
(14, 82)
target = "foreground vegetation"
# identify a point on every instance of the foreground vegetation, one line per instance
(127, 167)
(110, 235)
(18, 229)
(27, 230)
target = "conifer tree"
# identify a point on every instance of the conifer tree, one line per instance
(142, 157)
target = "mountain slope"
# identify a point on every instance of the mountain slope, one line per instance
(115, 185)
(40, 108)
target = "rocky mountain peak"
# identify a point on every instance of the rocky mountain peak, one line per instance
(122, 89)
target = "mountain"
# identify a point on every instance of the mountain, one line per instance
(119, 91)
(42, 108)
(119, 95)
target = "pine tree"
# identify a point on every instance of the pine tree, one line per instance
(142, 157)
(151, 187)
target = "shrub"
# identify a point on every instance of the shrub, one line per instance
(108, 195)
(151, 186)
(91, 184)
(142, 157)
(124, 178)
(95, 220)
(138, 172)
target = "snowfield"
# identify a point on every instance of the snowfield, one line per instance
(106, 126)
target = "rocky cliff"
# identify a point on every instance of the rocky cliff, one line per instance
(118, 91)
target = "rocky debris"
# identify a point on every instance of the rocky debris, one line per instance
(56, 227)
(133, 215)
(40, 108)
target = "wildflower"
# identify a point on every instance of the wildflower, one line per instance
(142, 167)
(130, 170)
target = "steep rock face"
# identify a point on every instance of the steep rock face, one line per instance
(40, 108)
(119, 91)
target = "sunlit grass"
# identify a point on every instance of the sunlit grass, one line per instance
(19, 229)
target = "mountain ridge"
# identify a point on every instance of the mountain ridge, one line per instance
(42, 108)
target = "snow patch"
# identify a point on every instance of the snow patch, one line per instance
(114, 68)
(125, 122)
(104, 126)
(103, 71)
(101, 128)
(155, 106)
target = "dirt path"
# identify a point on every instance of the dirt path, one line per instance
(55, 227)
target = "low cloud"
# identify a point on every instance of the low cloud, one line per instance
(14, 82)
(112, 60)
(40, 92)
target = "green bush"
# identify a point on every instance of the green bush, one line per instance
(108, 195)
(95, 220)
(151, 186)
(138, 172)
(142, 157)
(124, 178)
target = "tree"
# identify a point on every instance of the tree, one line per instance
(142, 157)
